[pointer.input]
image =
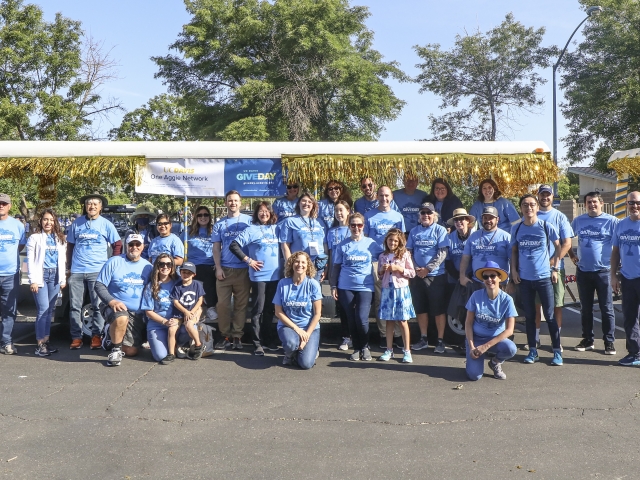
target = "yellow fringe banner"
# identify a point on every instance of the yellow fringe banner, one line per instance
(514, 173)
(628, 165)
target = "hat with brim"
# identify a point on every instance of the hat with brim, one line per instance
(459, 213)
(143, 210)
(494, 267)
(103, 199)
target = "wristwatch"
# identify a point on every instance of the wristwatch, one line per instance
(555, 269)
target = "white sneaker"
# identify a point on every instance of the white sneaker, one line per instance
(9, 349)
(115, 357)
(346, 344)
(212, 314)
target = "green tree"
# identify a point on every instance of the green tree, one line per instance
(601, 85)
(494, 73)
(280, 70)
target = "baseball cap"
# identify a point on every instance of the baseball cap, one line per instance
(5, 198)
(428, 206)
(493, 211)
(545, 188)
(189, 267)
(134, 237)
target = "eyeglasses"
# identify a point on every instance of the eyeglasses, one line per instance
(530, 205)
(291, 187)
(366, 185)
(203, 215)
(633, 203)
(163, 224)
(134, 244)
(164, 264)
(331, 189)
(426, 212)
(357, 225)
(489, 276)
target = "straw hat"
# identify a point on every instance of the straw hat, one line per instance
(494, 267)
(142, 210)
(460, 212)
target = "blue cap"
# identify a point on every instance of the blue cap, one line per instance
(188, 266)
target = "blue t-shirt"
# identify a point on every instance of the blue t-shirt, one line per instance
(626, 237)
(51, 252)
(483, 247)
(125, 280)
(507, 213)
(409, 206)
(362, 205)
(356, 259)
(377, 224)
(225, 231)
(425, 242)
(456, 250)
(284, 208)
(490, 315)
(561, 222)
(200, 248)
(297, 300)
(91, 238)
(11, 236)
(335, 236)
(533, 254)
(186, 295)
(262, 243)
(326, 213)
(170, 244)
(163, 305)
(299, 231)
(595, 235)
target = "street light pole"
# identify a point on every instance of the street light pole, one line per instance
(590, 11)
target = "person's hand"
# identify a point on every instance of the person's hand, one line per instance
(303, 344)
(117, 306)
(172, 322)
(515, 276)
(464, 280)
(34, 287)
(304, 336)
(478, 351)
(219, 274)
(554, 276)
(615, 284)
(256, 265)
(322, 276)
(575, 260)
(511, 288)
(334, 293)
(422, 272)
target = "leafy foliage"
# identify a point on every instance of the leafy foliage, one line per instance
(494, 73)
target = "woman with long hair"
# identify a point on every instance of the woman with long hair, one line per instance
(334, 191)
(166, 242)
(444, 200)
(489, 195)
(261, 241)
(46, 263)
(200, 253)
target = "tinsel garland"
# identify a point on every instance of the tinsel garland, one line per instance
(628, 165)
(514, 173)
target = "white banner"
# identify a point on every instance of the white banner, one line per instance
(194, 177)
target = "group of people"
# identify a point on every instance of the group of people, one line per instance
(406, 253)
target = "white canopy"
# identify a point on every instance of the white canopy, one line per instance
(618, 154)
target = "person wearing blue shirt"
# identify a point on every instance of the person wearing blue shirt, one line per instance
(531, 270)
(408, 200)
(285, 207)
(369, 199)
(594, 230)
(261, 242)
(305, 233)
(489, 243)
(12, 241)
(87, 242)
(232, 274)
(333, 191)
(166, 242)
(352, 283)
(462, 223)
(428, 244)
(490, 321)
(120, 286)
(559, 220)
(298, 307)
(377, 223)
(489, 195)
(626, 251)
(140, 220)
(200, 253)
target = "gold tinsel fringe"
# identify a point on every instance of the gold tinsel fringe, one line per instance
(628, 165)
(513, 173)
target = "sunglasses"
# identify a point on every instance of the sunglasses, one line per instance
(291, 187)
(163, 224)
(164, 264)
(489, 276)
(134, 244)
(426, 212)
(633, 203)
(366, 185)
(357, 225)
(331, 189)
(203, 215)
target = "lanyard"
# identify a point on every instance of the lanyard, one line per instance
(310, 227)
(226, 227)
(491, 240)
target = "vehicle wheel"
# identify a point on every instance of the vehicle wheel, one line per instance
(454, 333)
(86, 315)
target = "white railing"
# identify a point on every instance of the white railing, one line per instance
(606, 208)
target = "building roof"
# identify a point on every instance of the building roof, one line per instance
(591, 172)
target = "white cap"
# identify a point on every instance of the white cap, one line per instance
(134, 237)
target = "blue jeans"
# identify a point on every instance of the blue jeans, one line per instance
(588, 284)
(158, 339)
(544, 289)
(8, 306)
(77, 284)
(46, 302)
(630, 303)
(504, 350)
(291, 342)
(357, 306)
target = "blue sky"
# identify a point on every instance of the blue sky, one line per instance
(139, 29)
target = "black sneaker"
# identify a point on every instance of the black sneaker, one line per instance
(167, 360)
(609, 348)
(222, 344)
(50, 347)
(584, 345)
(42, 350)
(196, 352)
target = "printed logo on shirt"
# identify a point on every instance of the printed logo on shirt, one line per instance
(358, 257)
(89, 237)
(425, 243)
(483, 317)
(295, 304)
(629, 238)
(188, 299)
(164, 299)
(269, 242)
(6, 238)
(131, 282)
(410, 209)
(232, 233)
(588, 234)
(530, 243)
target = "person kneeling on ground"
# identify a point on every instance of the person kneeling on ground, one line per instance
(490, 321)
(119, 286)
(187, 299)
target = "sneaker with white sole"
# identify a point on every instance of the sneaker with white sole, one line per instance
(237, 344)
(532, 357)
(421, 345)
(355, 356)
(222, 344)
(609, 348)
(115, 357)
(366, 354)
(630, 360)
(497, 370)
(585, 345)
(386, 356)
(9, 349)
(557, 358)
(439, 347)
(346, 344)
(182, 352)
(42, 350)
(406, 357)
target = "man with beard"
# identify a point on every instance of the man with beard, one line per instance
(369, 199)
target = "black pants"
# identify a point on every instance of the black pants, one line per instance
(630, 303)
(262, 312)
(344, 322)
(588, 284)
(207, 275)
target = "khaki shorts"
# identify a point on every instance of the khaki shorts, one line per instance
(558, 291)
